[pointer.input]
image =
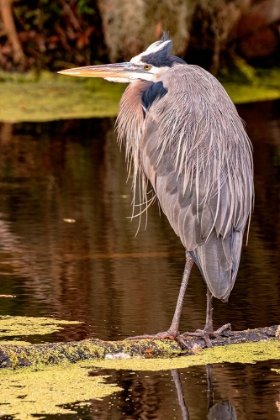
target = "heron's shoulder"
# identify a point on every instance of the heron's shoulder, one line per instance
(180, 75)
(193, 84)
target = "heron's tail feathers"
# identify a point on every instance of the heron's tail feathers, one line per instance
(218, 260)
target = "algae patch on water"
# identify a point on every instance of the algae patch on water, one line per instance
(26, 393)
(14, 326)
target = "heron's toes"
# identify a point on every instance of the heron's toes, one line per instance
(206, 334)
(183, 343)
(223, 330)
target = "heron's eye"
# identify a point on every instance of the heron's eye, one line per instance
(147, 67)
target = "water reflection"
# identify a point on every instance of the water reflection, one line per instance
(180, 394)
(224, 392)
(220, 411)
(95, 270)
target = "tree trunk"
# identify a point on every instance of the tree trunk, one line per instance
(131, 26)
(8, 20)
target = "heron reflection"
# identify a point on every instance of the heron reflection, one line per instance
(221, 410)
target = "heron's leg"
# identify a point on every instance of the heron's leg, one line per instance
(174, 327)
(209, 319)
(173, 330)
(208, 331)
(209, 314)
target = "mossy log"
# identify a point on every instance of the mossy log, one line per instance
(12, 355)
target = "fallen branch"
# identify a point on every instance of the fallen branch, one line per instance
(8, 21)
(53, 353)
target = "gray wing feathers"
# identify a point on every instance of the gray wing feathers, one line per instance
(217, 279)
(198, 158)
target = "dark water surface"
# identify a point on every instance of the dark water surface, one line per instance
(68, 250)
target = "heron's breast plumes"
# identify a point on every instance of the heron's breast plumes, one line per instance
(129, 126)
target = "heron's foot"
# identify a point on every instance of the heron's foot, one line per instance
(207, 333)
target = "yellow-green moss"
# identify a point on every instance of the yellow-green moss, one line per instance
(26, 392)
(52, 97)
(246, 84)
(11, 326)
(251, 92)
(17, 355)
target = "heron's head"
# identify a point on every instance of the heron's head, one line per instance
(149, 65)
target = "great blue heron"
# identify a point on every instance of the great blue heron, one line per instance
(182, 133)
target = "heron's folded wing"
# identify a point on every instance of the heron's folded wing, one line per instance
(198, 160)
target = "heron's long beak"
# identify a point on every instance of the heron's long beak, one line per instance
(116, 71)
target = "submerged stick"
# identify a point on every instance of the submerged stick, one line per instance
(13, 355)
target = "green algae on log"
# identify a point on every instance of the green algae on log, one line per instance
(245, 353)
(13, 356)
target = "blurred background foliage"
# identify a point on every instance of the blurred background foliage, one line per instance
(49, 34)
(54, 34)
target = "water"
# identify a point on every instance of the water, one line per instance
(68, 250)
